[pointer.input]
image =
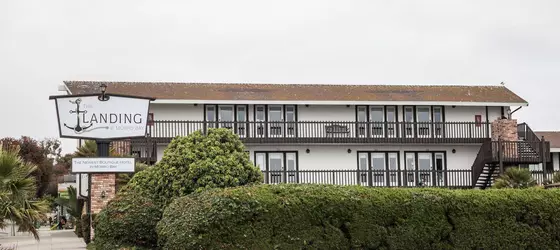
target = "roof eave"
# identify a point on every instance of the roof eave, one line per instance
(298, 102)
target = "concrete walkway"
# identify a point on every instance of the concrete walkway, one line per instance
(55, 239)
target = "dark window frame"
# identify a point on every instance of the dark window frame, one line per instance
(433, 157)
(370, 170)
(284, 162)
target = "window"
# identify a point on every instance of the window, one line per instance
(391, 121)
(363, 168)
(275, 118)
(438, 120)
(378, 167)
(278, 166)
(210, 113)
(410, 166)
(409, 120)
(241, 118)
(384, 168)
(290, 119)
(226, 113)
(259, 113)
(361, 119)
(428, 168)
(377, 119)
(423, 118)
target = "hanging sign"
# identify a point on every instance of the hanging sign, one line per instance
(88, 117)
(103, 165)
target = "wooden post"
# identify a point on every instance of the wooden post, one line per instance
(543, 159)
(501, 156)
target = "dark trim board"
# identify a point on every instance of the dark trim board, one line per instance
(298, 140)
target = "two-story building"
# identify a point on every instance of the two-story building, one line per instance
(375, 135)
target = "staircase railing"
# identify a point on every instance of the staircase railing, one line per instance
(526, 133)
(484, 156)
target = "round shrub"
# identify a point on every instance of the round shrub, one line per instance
(198, 162)
(127, 220)
(291, 216)
(189, 164)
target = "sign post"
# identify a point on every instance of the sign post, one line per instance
(101, 117)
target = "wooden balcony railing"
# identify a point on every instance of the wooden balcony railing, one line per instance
(383, 178)
(374, 178)
(333, 131)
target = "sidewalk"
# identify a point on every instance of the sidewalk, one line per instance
(56, 239)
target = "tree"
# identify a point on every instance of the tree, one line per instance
(198, 162)
(189, 164)
(515, 178)
(39, 153)
(17, 189)
(70, 203)
(89, 149)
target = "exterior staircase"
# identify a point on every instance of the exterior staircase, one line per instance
(528, 149)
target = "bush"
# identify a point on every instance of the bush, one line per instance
(556, 177)
(128, 220)
(198, 162)
(78, 227)
(515, 178)
(86, 227)
(193, 163)
(292, 216)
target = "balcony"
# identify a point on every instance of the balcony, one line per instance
(461, 178)
(375, 178)
(332, 131)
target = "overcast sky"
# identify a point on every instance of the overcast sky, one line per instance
(469, 42)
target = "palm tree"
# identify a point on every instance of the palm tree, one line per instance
(17, 189)
(515, 178)
(71, 203)
(89, 149)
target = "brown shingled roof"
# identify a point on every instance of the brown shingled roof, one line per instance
(552, 136)
(301, 92)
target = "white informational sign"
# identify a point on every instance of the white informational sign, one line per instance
(89, 118)
(103, 165)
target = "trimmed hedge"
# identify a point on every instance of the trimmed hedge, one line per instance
(128, 220)
(292, 216)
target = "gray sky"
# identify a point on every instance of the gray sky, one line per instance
(43, 43)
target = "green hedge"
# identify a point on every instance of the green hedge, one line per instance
(128, 220)
(335, 217)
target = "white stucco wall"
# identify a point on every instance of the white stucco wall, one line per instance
(181, 112)
(319, 112)
(326, 113)
(336, 157)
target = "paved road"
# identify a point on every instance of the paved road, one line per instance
(56, 239)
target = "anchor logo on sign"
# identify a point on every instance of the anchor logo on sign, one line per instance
(78, 129)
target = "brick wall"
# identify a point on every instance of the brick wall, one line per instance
(100, 183)
(505, 130)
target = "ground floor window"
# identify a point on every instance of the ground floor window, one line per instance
(384, 168)
(278, 166)
(425, 168)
